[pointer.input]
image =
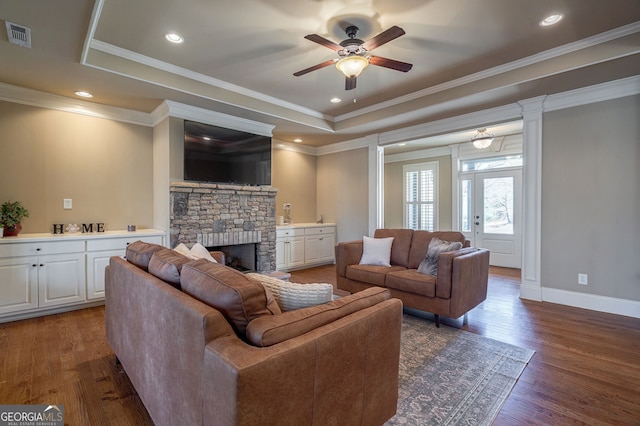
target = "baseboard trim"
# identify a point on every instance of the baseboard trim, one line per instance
(531, 292)
(611, 305)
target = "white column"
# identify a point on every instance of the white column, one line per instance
(455, 187)
(376, 184)
(532, 197)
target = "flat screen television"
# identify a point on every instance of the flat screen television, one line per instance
(219, 155)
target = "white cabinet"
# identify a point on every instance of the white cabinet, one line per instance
(99, 252)
(41, 274)
(319, 243)
(289, 248)
(45, 273)
(303, 245)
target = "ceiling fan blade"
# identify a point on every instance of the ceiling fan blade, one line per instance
(350, 83)
(384, 37)
(390, 63)
(324, 42)
(315, 67)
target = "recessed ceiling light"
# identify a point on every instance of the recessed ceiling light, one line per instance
(335, 100)
(551, 20)
(174, 38)
(206, 138)
(84, 94)
(297, 140)
(402, 144)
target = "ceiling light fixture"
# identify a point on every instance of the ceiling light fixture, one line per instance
(298, 140)
(352, 65)
(551, 20)
(84, 94)
(174, 38)
(482, 139)
(335, 100)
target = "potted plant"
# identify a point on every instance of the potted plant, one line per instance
(11, 215)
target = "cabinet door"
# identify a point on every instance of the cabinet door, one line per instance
(281, 253)
(61, 279)
(327, 249)
(312, 248)
(296, 252)
(96, 263)
(18, 284)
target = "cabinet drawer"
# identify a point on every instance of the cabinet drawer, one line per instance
(41, 248)
(320, 230)
(289, 232)
(101, 244)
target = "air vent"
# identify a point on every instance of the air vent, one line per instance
(17, 34)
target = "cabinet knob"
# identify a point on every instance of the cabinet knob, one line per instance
(38, 249)
(42, 264)
(34, 265)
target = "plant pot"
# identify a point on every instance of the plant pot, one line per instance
(12, 231)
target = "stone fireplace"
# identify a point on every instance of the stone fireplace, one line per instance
(219, 215)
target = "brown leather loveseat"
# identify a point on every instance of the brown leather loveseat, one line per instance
(245, 362)
(459, 286)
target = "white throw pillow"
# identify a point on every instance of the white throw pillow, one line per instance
(183, 250)
(291, 296)
(198, 251)
(376, 251)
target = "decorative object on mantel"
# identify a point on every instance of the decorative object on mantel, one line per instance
(287, 214)
(11, 215)
(72, 228)
(482, 139)
(131, 228)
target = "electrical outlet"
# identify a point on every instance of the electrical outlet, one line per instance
(67, 203)
(583, 279)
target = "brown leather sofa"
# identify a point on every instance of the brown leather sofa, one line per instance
(459, 286)
(191, 363)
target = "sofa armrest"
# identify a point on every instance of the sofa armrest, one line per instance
(347, 253)
(445, 280)
(345, 372)
(469, 280)
(218, 256)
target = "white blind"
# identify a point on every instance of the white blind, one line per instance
(420, 195)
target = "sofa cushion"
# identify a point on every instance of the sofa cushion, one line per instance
(401, 244)
(139, 253)
(267, 331)
(412, 281)
(376, 251)
(292, 296)
(429, 265)
(239, 298)
(374, 275)
(166, 264)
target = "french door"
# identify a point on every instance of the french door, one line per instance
(491, 214)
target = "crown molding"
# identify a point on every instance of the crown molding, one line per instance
(521, 63)
(598, 93)
(302, 149)
(201, 115)
(364, 142)
(422, 153)
(21, 95)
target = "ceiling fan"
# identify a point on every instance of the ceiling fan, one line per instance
(354, 54)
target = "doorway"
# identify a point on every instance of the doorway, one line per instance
(491, 207)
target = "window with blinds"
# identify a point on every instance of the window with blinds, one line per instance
(421, 196)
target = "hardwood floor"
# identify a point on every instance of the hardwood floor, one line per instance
(586, 369)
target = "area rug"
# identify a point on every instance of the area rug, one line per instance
(453, 377)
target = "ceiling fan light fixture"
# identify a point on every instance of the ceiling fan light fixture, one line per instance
(551, 20)
(482, 139)
(351, 66)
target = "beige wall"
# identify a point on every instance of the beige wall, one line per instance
(393, 192)
(591, 198)
(343, 182)
(104, 166)
(294, 174)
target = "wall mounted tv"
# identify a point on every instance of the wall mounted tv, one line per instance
(216, 154)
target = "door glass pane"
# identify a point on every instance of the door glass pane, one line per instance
(498, 205)
(465, 205)
(492, 163)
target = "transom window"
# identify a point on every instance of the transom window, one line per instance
(492, 163)
(421, 196)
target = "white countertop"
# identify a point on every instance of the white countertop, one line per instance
(25, 238)
(304, 225)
